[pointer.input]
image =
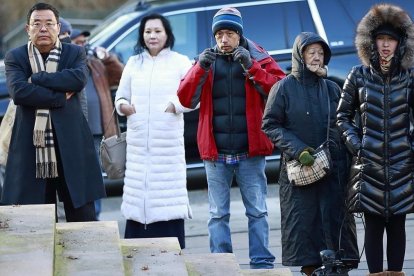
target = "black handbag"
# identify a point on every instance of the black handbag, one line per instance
(301, 175)
(112, 153)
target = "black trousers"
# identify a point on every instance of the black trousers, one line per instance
(53, 185)
(83, 213)
(171, 228)
(396, 242)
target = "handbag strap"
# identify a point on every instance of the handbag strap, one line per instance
(325, 87)
(118, 129)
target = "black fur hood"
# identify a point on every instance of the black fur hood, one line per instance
(380, 15)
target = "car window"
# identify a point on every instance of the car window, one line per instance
(3, 86)
(2, 71)
(4, 95)
(271, 25)
(185, 32)
(101, 34)
(341, 17)
(184, 27)
(279, 30)
(125, 48)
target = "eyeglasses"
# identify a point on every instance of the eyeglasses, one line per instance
(38, 25)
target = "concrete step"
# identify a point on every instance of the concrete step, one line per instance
(212, 264)
(267, 272)
(88, 248)
(32, 243)
(27, 239)
(156, 256)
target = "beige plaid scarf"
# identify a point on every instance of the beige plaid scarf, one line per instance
(46, 163)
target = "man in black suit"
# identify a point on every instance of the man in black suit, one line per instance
(51, 147)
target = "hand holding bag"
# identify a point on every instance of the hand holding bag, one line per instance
(112, 152)
(301, 175)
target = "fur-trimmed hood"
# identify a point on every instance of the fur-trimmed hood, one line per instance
(380, 15)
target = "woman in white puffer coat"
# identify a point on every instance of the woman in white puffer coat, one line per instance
(155, 199)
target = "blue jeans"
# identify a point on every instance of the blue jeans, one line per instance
(251, 179)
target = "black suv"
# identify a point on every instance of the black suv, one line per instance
(274, 24)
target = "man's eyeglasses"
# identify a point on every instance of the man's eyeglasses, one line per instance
(38, 25)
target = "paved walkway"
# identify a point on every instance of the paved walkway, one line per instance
(197, 236)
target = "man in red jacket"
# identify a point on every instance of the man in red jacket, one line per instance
(231, 82)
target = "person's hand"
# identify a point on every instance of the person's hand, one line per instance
(170, 108)
(206, 58)
(127, 109)
(320, 71)
(101, 53)
(306, 159)
(243, 56)
(69, 95)
(311, 150)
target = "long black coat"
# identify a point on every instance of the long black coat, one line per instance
(381, 180)
(296, 117)
(74, 140)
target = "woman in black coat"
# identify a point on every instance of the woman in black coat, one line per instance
(296, 120)
(380, 92)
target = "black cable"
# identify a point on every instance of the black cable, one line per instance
(361, 216)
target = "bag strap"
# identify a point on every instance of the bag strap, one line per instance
(117, 128)
(325, 87)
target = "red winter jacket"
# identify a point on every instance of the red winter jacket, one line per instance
(196, 87)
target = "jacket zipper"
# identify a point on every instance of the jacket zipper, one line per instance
(145, 200)
(386, 116)
(148, 135)
(230, 100)
(149, 101)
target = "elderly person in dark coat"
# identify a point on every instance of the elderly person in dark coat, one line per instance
(296, 120)
(381, 92)
(51, 145)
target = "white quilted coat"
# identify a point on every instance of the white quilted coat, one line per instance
(155, 176)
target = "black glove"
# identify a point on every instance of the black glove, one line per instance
(310, 150)
(243, 56)
(206, 58)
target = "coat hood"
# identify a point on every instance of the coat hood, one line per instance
(386, 15)
(302, 40)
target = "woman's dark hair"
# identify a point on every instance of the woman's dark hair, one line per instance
(140, 46)
(41, 7)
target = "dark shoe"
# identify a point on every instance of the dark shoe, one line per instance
(307, 270)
